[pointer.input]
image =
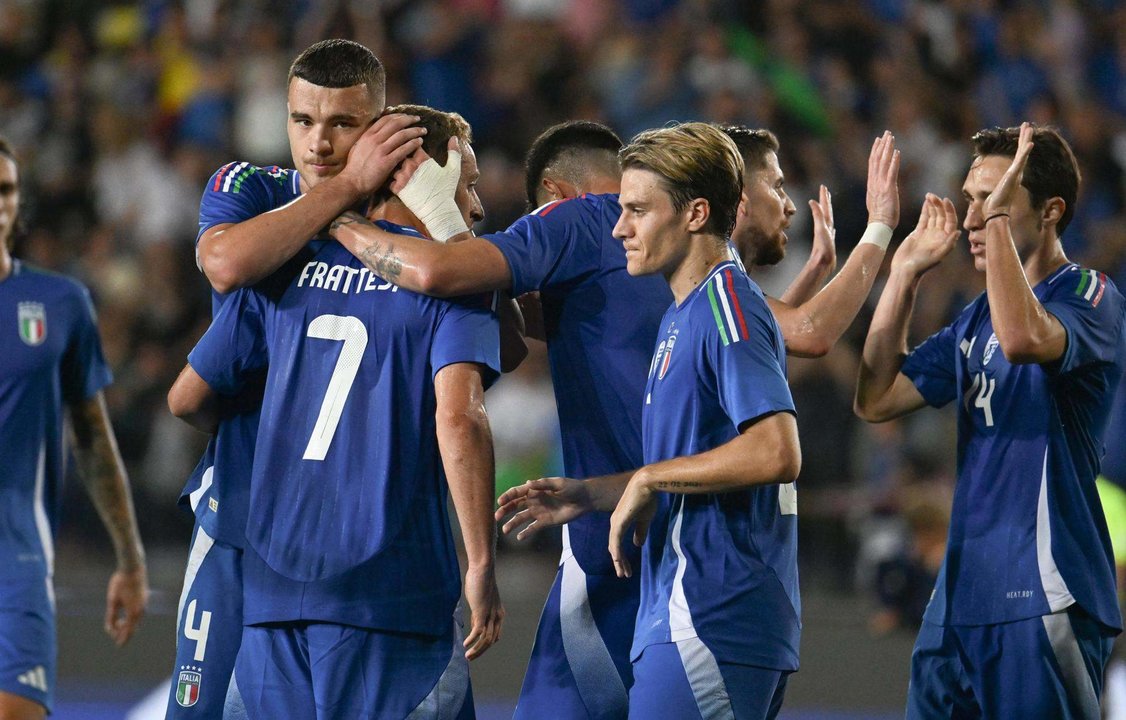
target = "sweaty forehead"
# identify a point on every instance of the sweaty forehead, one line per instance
(985, 173)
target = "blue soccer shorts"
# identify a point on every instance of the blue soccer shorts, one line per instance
(684, 680)
(28, 650)
(208, 632)
(327, 671)
(580, 665)
(1048, 667)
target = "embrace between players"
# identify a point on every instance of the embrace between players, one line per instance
(358, 322)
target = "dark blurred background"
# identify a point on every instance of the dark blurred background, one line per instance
(120, 111)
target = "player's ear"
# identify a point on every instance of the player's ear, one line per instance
(1053, 211)
(553, 190)
(697, 214)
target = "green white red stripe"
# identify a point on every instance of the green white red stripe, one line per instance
(230, 178)
(726, 310)
(1091, 286)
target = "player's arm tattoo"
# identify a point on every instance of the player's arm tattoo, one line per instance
(379, 257)
(103, 474)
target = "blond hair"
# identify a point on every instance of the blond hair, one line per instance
(694, 160)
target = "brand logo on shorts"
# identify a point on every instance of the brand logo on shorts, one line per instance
(36, 677)
(187, 687)
(32, 323)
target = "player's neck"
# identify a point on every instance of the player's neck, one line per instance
(704, 254)
(396, 212)
(6, 263)
(1045, 261)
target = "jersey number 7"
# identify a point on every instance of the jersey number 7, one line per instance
(354, 335)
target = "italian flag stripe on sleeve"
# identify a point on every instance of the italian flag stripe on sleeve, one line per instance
(221, 174)
(726, 310)
(1091, 286)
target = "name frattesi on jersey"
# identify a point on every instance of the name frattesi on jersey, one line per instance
(338, 278)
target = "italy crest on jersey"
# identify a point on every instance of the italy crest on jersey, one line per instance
(32, 323)
(187, 688)
(990, 348)
(667, 358)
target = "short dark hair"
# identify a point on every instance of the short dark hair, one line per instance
(1052, 170)
(558, 140)
(753, 144)
(8, 151)
(340, 63)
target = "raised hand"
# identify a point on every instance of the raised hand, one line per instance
(932, 239)
(637, 507)
(883, 181)
(1001, 199)
(382, 147)
(824, 231)
(542, 503)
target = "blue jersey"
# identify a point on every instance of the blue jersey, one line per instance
(719, 567)
(1027, 532)
(50, 356)
(600, 324)
(236, 192)
(1114, 462)
(347, 486)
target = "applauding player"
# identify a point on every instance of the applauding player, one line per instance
(1024, 610)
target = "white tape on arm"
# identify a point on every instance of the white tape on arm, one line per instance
(877, 234)
(429, 194)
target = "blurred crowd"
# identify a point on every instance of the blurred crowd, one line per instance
(120, 111)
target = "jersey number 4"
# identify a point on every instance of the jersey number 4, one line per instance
(351, 331)
(984, 387)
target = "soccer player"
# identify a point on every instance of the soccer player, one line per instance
(600, 325)
(252, 220)
(373, 402)
(717, 630)
(50, 360)
(1024, 611)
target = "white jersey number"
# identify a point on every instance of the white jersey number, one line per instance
(197, 632)
(354, 335)
(984, 388)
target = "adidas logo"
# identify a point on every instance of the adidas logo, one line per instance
(35, 677)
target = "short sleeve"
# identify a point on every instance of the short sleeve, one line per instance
(84, 369)
(236, 192)
(558, 243)
(235, 344)
(931, 367)
(1090, 308)
(745, 347)
(468, 332)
